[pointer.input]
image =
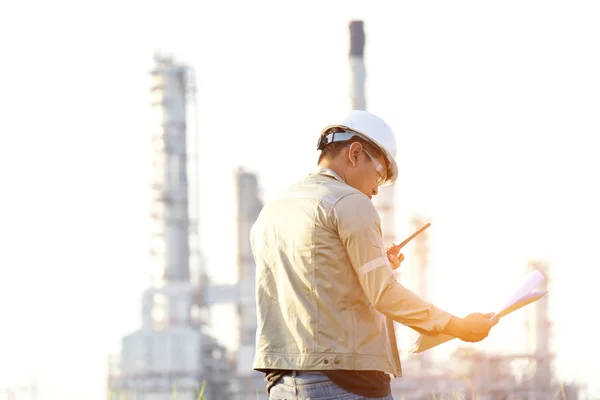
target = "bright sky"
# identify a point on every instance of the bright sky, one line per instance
(495, 105)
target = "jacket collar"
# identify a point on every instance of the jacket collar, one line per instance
(328, 172)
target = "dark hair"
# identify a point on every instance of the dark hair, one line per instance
(333, 149)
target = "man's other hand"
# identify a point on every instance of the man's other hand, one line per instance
(473, 328)
(396, 260)
(476, 326)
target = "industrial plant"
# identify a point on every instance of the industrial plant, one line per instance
(171, 352)
(172, 356)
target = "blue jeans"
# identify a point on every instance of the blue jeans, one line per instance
(304, 385)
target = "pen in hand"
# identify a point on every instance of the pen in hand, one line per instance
(395, 249)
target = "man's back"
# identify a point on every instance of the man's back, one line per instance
(311, 307)
(312, 310)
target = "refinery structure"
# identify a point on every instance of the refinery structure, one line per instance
(172, 356)
(171, 352)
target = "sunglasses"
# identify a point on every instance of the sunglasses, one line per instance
(381, 173)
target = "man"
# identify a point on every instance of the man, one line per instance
(325, 291)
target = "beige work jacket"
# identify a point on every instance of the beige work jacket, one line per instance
(324, 285)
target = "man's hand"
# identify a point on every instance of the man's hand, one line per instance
(476, 327)
(396, 261)
(473, 328)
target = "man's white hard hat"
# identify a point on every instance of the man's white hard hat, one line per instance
(373, 129)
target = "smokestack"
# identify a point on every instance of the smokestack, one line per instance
(357, 65)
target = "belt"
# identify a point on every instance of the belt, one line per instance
(303, 372)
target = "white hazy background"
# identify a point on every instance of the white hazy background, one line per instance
(495, 105)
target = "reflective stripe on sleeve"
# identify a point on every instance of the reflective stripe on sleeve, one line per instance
(371, 265)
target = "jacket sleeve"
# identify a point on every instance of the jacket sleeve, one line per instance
(359, 228)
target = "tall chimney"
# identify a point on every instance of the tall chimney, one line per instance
(357, 65)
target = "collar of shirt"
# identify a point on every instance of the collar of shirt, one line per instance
(329, 172)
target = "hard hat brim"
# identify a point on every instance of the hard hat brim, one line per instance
(392, 173)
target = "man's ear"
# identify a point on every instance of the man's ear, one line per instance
(353, 152)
